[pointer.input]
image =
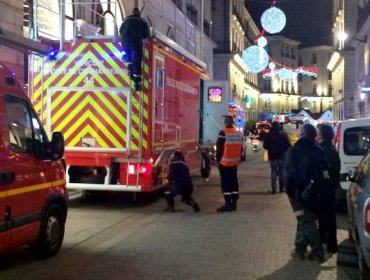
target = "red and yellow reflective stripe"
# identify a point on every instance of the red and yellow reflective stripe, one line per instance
(89, 113)
(33, 188)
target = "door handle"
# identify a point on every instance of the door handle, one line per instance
(7, 177)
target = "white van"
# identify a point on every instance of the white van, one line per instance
(353, 142)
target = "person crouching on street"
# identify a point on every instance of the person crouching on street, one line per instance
(229, 146)
(179, 182)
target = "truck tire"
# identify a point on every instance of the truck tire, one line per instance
(51, 233)
(206, 166)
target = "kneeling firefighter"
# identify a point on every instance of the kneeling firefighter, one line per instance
(180, 180)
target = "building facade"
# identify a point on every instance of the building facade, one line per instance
(342, 61)
(316, 91)
(234, 30)
(23, 23)
(278, 95)
(362, 61)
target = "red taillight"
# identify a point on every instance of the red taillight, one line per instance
(337, 138)
(367, 218)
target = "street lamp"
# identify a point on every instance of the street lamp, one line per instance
(342, 36)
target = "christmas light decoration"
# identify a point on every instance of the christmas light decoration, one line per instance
(262, 42)
(255, 58)
(273, 20)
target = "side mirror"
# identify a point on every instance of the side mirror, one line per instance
(57, 146)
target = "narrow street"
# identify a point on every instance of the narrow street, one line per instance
(108, 237)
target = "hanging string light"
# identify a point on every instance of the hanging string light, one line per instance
(273, 20)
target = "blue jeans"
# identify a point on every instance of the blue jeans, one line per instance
(277, 171)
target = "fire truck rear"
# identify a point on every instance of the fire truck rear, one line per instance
(117, 138)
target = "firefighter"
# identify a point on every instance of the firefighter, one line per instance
(134, 30)
(180, 182)
(229, 147)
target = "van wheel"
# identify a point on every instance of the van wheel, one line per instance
(51, 233)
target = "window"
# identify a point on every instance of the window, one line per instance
(330, 90)
(24, 126)
(300, 77)
(356, 140)
(314, 58)
(159, 78)
(214, 94)
(314, 90)
(192, 13)
(300, 61)
(362, 174)
(329, 76)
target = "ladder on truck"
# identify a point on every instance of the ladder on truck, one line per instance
(132, 157)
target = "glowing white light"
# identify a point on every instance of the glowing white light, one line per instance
(272, 65)
(262, 42)
(255, 58)
(342, 36)
(273, 20)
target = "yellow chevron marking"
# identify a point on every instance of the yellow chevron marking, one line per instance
(87, 130)
(33, 188)
(56, 75)
(77, 111)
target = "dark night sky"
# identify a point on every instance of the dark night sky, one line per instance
(308, 21)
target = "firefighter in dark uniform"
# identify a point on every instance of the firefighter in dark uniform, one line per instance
(229, 146)
(134, 30)
(179, 177)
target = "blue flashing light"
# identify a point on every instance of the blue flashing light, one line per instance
(52, 54)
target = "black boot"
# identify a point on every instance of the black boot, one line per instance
(233, 205)
(234, 200)
(227, 206)
(190, 201)
(170, 202)
(196, 207)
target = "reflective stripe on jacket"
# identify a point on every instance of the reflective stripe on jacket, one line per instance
(232, 148)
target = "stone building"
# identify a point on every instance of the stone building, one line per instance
(316, 91)
(233, 30)
(362, 62)
(342, 61)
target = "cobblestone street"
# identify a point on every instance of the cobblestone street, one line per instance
(111, 240)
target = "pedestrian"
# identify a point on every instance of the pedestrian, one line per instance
(228, 150)
(303, 187)
(134, 30)
(276, 143)
(181, 183)
(327, 217)
(291, 129)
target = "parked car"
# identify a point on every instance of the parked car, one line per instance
(358, 201)
(352, 142)
(33, 196)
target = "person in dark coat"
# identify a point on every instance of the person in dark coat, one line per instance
(276, 143)
(179, 177)
(299, 171)
(134, 30)
(327, 217)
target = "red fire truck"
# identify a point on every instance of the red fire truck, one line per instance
(117, 138)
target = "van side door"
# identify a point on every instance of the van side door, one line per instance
(28, 192)
(6, 177)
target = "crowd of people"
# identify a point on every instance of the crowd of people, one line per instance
(306, 167)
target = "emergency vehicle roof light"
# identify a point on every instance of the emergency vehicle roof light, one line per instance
(52, 54)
